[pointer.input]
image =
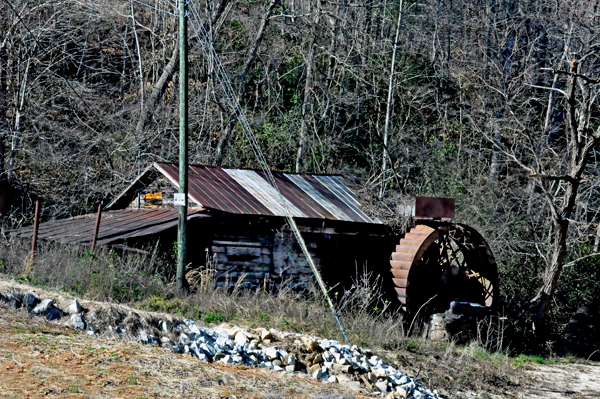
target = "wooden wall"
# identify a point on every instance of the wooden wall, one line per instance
(264, 251)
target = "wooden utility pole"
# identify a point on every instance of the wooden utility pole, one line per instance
(183, 144)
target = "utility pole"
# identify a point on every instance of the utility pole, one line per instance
(183, 144)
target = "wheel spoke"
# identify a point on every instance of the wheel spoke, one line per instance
(444, 248)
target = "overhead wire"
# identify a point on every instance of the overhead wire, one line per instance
(234, 103)
(155, 8)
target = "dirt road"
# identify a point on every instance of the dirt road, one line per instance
(561, 381)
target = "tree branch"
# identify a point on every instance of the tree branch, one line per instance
(553, 177)
(578, 75)
(547, 88)
(574, 262)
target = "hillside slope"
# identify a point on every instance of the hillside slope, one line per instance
(44, 358)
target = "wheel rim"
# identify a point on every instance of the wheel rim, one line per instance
(439, 263)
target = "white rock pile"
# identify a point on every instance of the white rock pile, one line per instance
(323, 359)
(326, 360)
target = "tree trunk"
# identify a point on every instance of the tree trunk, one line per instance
(224, 138)
(385, 154)
(4, 187)
(157, 92)
(308, 89)
(597, 240)
(550, 278)
(170, 69)
(581, 142)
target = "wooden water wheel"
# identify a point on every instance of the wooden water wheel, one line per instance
(436, 263)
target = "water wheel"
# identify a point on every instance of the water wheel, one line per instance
(437, 263)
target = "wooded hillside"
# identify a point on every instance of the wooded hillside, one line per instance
(492, 102)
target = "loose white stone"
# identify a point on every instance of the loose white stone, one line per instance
(143, 336)
(268, 365)
(202, 357)
(318, 374)
(409, 387)
(310, 343)
(184, 340)
(241, 337)
(272, 353)
(76, 322)
(379, 372)
(74, 307)
(208, 349)
(43, 306)
(226, 359)
(290, 360)
(382, 386)
(264, 334)
(277, 334)
(193, 329)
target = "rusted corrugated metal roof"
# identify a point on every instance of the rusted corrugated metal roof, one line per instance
(244, 191)
(115, 225)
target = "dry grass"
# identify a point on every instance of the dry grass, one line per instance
(103, 275)
(456, 371)
(38, 359)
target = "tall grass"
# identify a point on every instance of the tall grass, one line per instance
(103, 275)
(138, 279)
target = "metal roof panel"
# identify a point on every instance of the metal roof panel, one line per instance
(312, 192)
(264, 192)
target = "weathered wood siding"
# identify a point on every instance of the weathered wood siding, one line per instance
(263, 250)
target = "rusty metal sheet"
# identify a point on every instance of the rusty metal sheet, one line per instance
(345, 199)
(246, 191)
(228, 190)
(211, 187)
(308, 205)
(115, 226)
(264, 192)
(434, 208)
(312, 192)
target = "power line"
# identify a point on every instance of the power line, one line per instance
(156, 8)
(234, 103)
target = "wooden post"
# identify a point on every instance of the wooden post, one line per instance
(98, 217)
(28, 267)
(36, 224)
(183, 144)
